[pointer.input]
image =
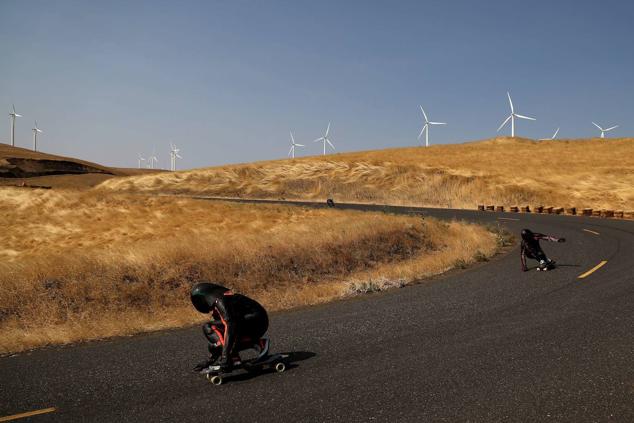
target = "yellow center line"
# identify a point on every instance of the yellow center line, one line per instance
(594, 269)
(506, 218)
(592, 232)
(27, 414)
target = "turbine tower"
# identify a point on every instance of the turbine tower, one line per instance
(174, 155)
(325, 139)
(512, 117)
(551, 138)
(426, 127)
(291, 152)
(152, 160)
(36, 131)
(603, 131)
(13, 115)
(141, 160)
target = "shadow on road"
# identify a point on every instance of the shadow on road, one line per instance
(556, 266)
(291, 362)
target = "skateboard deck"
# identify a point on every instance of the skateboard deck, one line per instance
(273, 361)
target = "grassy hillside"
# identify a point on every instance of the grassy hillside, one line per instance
(83, 265)
(21, 166)
(596, 173)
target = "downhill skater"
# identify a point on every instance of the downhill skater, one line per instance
(531, 249)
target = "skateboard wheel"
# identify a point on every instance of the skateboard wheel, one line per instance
(280, 367)
(216, 380)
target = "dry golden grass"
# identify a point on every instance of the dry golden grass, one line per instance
(592, 173)
(77, 266)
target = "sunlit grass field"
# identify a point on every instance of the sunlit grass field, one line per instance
(595, 173)
(78, 265)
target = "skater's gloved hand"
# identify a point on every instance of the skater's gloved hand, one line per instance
(561, 240)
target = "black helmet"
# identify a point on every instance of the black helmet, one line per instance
(204, 295)
(527, 234)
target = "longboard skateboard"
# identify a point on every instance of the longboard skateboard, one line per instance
(274, 361)
(546, 268)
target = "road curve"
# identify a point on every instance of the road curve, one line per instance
(489, 344)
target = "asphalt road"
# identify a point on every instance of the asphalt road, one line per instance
(484, 345)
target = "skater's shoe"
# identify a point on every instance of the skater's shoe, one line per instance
(262, 347)
(204, 364)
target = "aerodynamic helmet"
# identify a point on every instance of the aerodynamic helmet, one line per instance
(204, 295)
(527, 234)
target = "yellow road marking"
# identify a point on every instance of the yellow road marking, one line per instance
(592, 232)
(594, 269)
(27, 414)
(506, 218)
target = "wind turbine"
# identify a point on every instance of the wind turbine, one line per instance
(603, 131)
(141, 159)
(152, 160)
(174, 155)
(291, 152)
(551, 138)
(36, 130)
(325, 139)
(512, 117)
(426, 127)
(13, 115)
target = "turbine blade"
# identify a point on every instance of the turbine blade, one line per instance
(524, 117)
(510, 101)
(319, 139)
(611, 128)
(424, 114)
(421, 132)
(328, 141)
(299, 145)
(600, 129)
(292, 139)
(555, 134)
(504, 123)
(290, 151)
(327, 130)
(17, 115)
(437, 123)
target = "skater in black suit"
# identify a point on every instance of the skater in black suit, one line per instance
(237, 322)
(530, 248)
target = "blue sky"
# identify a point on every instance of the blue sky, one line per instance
(227, 80)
